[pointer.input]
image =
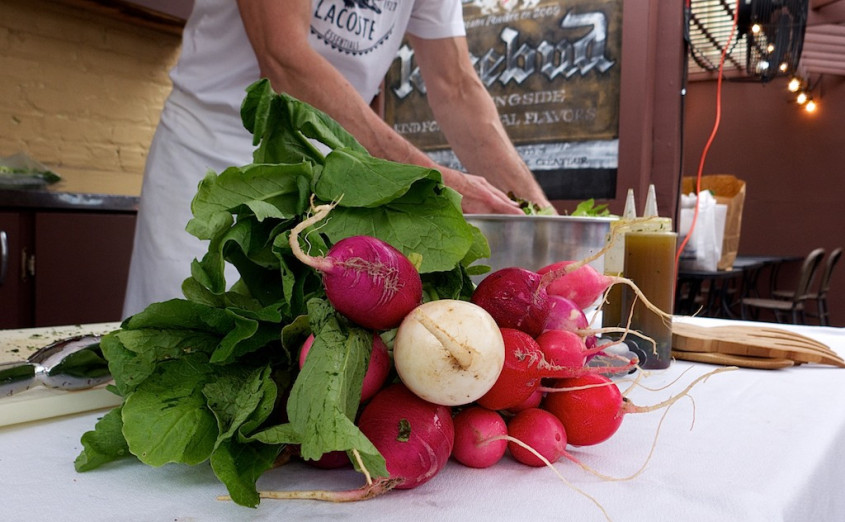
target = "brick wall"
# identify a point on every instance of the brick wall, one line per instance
(81, 92)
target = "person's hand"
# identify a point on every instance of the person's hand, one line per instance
(479, 195)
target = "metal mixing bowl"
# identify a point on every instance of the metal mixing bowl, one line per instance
(533, 242)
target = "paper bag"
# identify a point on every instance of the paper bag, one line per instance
(730, 191)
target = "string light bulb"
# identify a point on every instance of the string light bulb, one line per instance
(801, 98)
(755, 28)
(793, 85)
(810, 106)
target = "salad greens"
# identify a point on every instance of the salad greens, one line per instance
(213, 377)
(589, 208)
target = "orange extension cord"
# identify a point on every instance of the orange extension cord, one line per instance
(712, 134)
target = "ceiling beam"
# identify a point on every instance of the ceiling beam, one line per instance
(818, 4)
(829, 13)
(822, 67)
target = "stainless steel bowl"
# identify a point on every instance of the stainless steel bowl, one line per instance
(533, 242)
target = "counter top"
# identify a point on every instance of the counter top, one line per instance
(57, 200)
(751, 445)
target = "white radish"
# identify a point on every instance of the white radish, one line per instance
(449, 352)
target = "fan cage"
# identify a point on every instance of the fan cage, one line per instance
(772, 50)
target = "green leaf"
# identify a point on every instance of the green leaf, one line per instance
(283, 126)
(235, 395)
(366, 181)
(166, 418)
(105, 443)
(325, 396)
(239, 466)
(268, 191)
(134, 354)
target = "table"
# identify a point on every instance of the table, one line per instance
(715, 301)
(714, 293)
(755, 445)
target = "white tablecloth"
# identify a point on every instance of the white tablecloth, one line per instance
(752, 445)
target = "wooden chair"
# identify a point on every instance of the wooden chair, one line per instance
(820, 297)
(789, 309)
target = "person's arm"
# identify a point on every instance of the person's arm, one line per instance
(468, 117)
(278, 32)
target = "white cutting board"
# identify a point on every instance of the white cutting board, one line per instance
(41, 402)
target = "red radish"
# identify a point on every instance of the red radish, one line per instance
(366, 279)
(476, 445)
(414, 436)
(539, 430)
(591, 407)
(514, 298)
(531, 402)
(448, 351)
(331, 460)
(563, 348)
(377, 369)
(520, 376)
(590, 415)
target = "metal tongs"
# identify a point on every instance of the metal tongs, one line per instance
(75, 363)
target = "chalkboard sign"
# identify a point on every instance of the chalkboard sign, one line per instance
(553, 70)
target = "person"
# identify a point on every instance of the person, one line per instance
(332, 54)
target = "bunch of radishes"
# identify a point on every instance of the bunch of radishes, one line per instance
(504, 371)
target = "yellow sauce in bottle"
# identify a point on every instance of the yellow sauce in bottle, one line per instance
(650, 264)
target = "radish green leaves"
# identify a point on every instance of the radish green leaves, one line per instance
(201, 377)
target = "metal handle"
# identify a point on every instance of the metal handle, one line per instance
(4, 255)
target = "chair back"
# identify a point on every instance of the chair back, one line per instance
(808, 273)
(832, 259)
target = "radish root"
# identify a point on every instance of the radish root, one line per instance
(319, 213)
(629, 407)
(462, 353)
(366, 492)
(551, 467)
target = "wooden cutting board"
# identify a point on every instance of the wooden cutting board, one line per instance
(41, 402)
(749, 346)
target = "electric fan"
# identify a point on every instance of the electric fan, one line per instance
(774, 31)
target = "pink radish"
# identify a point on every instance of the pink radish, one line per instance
(377, 369)
(414, 436)
(514, 298)
(564, 314)
(584, 285)
(539, 430)
(476, 445)
(520, 376)
(563, 348)
(366, 279)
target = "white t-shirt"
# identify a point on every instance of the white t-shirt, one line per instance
(201, 128)
(360, 38)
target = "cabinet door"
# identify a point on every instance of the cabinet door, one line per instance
(82, 264)
(15, 280)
